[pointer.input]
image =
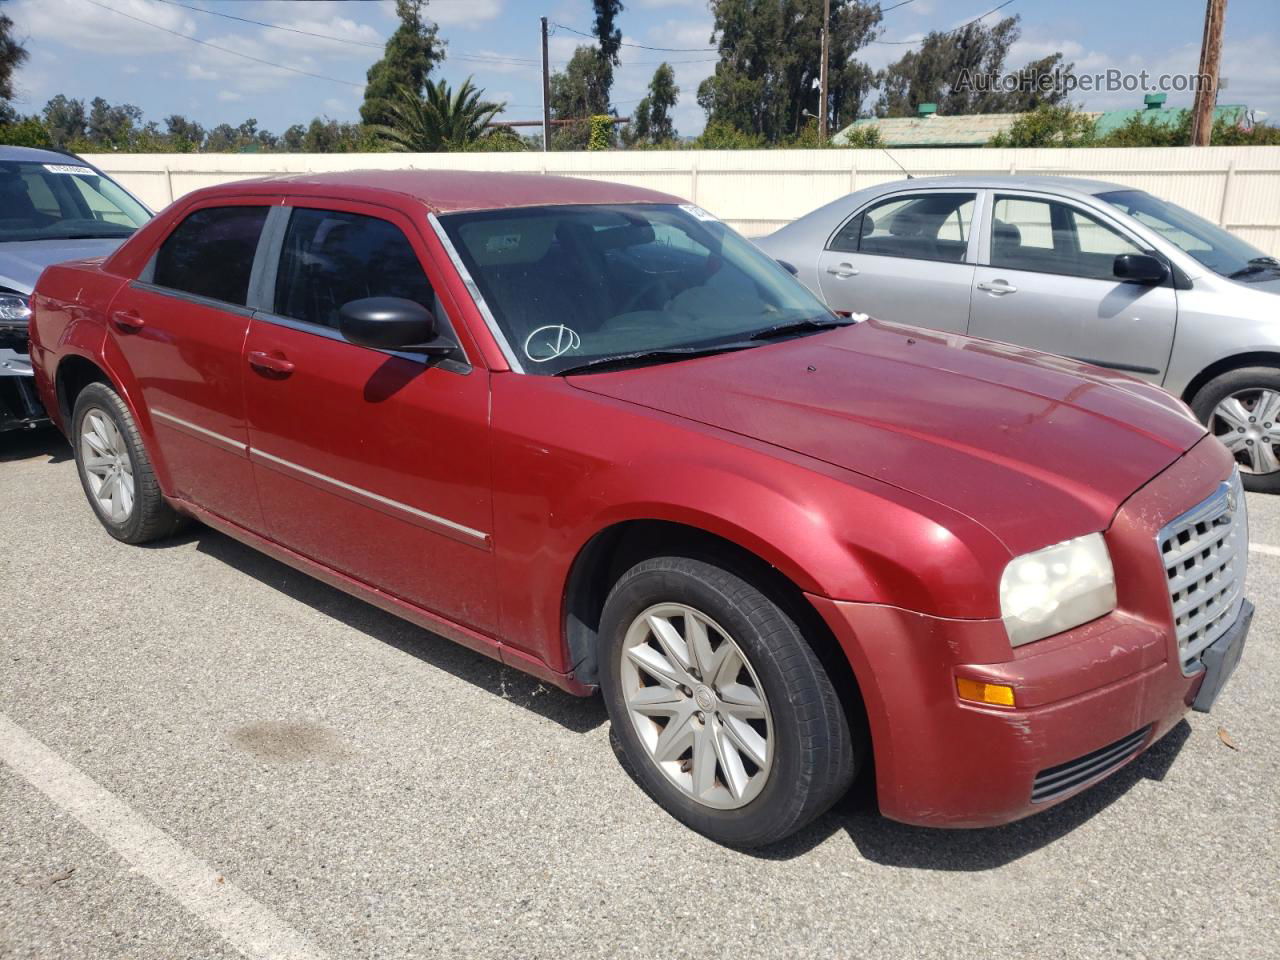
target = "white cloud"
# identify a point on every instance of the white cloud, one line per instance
(470, 14)
(96, 29)
(197, 72)
(229, 96)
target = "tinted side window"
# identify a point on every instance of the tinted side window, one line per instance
(211, 253)
(931, 226)
(331, 258)
(1049, 237)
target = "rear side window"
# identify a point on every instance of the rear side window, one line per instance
(930, 226)
(331, 257)
(211, 252)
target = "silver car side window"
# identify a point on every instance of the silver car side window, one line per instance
(1046, 236)
(918, 226)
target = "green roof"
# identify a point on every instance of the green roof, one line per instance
(1231, 113)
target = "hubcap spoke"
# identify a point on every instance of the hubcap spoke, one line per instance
(672, 643)
(730, 763)
(1262, 456)
(1267, 407)
(657, 701)
(657, 666)
(1233, 413)
(676, 737)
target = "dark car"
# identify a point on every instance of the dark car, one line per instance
(53, 207)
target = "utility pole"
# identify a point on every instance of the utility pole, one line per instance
(822, 73)
(546, 92)
(1207, 88)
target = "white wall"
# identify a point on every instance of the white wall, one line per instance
(758, 191)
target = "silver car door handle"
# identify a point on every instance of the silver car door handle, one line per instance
(842, 270)
(997, 287)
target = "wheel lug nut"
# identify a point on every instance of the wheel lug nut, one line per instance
(702, 717)
(1253, 419)
(1241, 429)
(1248, 443)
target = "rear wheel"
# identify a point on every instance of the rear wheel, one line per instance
(115, 471)
(1242, 409)
(723, 710)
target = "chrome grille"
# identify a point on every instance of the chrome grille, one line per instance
(1205, 552)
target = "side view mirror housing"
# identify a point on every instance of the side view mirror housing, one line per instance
(392, 323)
(1140, 268)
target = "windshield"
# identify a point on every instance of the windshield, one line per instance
(573, 284)
(1212, 246)
(63, 201)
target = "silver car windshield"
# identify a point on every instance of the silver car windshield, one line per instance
(63, 201)
(1212, 246)
(571, 286)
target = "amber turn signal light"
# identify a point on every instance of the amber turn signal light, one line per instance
(979, 692)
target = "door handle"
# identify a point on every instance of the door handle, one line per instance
(127, 321)
(266, 363)
(842, 270)
(998, 287)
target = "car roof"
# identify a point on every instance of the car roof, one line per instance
(37, 155)
(1077, 185)
(450, 191)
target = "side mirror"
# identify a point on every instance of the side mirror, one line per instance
(789, 267)
(391, 323)
(1140, 268)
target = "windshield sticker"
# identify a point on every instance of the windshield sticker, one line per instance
(504, 243)
(547, 343)
(72, 168)
(697, 212)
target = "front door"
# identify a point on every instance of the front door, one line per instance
(371, 462)
(906, 258)
(1048, 283)
(181, 328)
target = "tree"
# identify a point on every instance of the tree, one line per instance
(183, 131)
(12, 55)
(651, 120)
(441, 119)
(65, 120)
(112, 126)
(222, 139)
(579, 92)
(293, 138)
(410, 54)
(960, 71)
(770, 54)
(1048, 126)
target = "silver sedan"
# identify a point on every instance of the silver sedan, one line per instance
(1093, 271)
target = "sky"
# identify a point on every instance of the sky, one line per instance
(89, 48)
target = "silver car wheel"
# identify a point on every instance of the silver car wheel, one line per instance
(1248, 424)
(107, 466)
(697, 705)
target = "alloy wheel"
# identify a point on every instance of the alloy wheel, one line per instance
(1248, 424)
(107, 466)
(697, 705)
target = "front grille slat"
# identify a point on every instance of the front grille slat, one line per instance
(1205, 556)
(1056, 781)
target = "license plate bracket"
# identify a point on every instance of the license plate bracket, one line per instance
(1221, 659)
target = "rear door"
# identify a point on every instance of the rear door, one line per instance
(908, 258)
(180, 329)
(1047, 283)
(375, 463)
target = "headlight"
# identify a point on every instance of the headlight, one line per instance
(1057, 588)
(14, 309)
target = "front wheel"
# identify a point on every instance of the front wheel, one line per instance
(1242, 409)
(722, 709)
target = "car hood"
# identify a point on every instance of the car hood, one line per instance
(1266, 286)
(22, 261)
(1036, 448)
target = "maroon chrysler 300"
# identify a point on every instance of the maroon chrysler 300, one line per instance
(590, 431)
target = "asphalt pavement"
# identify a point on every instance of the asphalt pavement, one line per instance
(206, 754)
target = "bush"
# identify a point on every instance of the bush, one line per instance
(26, 132)
(601, 136)
(1048, 126)
(724, 136)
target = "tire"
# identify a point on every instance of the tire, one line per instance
(803, 736)
(1255, 443)
(103, 434)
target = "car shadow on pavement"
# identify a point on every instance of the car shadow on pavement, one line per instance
(576, 714)
(44, 442)
(890, 843)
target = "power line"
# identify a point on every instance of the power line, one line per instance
(911, 43)
(273, 26)
(234, 53)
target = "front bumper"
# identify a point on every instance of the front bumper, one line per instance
(1086, 701)
(20, 406)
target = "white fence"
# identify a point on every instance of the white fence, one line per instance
(758, 191)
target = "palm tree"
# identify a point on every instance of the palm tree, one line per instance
(440, 120)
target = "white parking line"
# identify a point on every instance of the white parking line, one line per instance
(249, 926)
(1264, 548)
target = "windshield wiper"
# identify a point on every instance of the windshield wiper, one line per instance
(1256, 265)
(801, 326)
(622, 361)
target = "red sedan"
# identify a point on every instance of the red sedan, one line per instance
(589, 431)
